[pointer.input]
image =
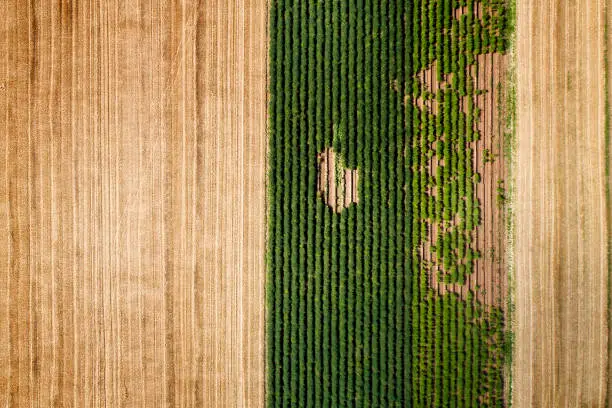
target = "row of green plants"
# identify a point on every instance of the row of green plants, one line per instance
(352, 319)
(447, 137)
(468, 336)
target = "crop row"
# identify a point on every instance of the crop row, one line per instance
(351, 318)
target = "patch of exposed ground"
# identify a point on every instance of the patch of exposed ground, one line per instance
(336, 184)
(488, 281)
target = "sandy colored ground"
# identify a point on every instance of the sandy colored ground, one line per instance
(132, 203)
(561, 227)
(608, 14)
(337, 194)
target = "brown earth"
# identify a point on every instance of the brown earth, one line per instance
(339, 193)
(132, 203)
(608, 16)
(561, 231)
(488, 282)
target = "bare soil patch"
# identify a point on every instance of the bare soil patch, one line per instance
(337, 185)
(488, 282)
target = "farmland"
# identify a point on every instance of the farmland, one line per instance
(562, 205)
(132, 201)
(305, 203)
(398, 299)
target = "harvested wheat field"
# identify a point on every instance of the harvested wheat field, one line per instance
(132, 203)
(561, 357)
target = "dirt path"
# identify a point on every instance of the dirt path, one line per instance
(561, 229)
(132, 203)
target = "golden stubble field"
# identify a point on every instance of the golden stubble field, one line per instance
(562, 229)
(132, 203)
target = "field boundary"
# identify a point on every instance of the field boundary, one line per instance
(510, 140)
(608, 158)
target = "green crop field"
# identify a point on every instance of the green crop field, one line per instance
(352, 319)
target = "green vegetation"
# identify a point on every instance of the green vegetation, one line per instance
(352, 319)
